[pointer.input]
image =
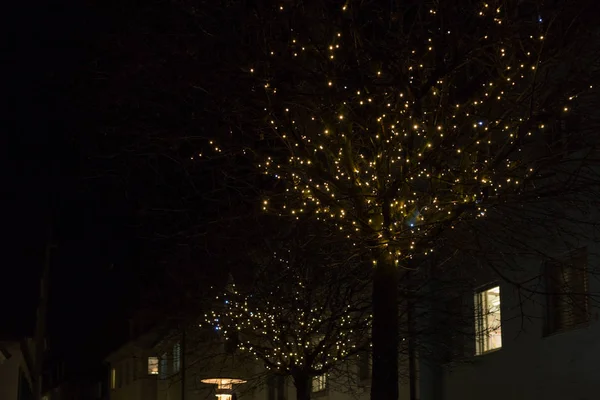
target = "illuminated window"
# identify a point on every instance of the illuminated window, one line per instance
(113, 378)
(152, 365)
(176, 357)
(319, 383)
(488, 323)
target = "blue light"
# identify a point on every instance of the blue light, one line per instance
(480, 123)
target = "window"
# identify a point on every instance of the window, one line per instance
(488, 322)
(276, 387)
(319, 383)
(113, 378)
(126, 372)
(164, 365)
(152, 365)
(135, 372)
(567, 302)
(176, 357)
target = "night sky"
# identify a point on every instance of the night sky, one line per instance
(55, 192)
(89, 79)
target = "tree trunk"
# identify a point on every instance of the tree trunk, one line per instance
(385, 329)
(412, 353)
(302, 383)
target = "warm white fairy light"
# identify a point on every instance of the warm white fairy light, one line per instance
(284, 338)
(399, 167)
(399, 164)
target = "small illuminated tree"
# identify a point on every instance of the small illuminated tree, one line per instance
(307, 311)
(399, 122)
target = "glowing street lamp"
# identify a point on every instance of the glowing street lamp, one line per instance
(224, 386)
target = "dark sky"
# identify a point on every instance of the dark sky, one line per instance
(86, 77)
(47, 186)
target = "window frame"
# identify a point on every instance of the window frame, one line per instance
(319, 383)
(482, 328)
(127, 372)
(163, 366)
(113, 378)
(176, 357)
(276, 387)
(558, 298)
(156, 363)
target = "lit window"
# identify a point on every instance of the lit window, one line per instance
(113, 378)
(176, 357)
(319, 383)
(488, 326)
(152, 365)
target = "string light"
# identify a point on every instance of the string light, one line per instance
(284, 337)
(400, 164)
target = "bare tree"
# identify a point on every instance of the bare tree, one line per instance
(307, 310)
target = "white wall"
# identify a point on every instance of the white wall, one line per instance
(139, 385)
(9, 373)
(562, 366)
(531, 365)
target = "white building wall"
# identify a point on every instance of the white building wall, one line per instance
(530, 364)
(9, 374)
(131, 372)
(562, 366)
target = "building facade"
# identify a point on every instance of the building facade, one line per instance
(17, 380)
(22, 349)
(534, 334)
(535, 337)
